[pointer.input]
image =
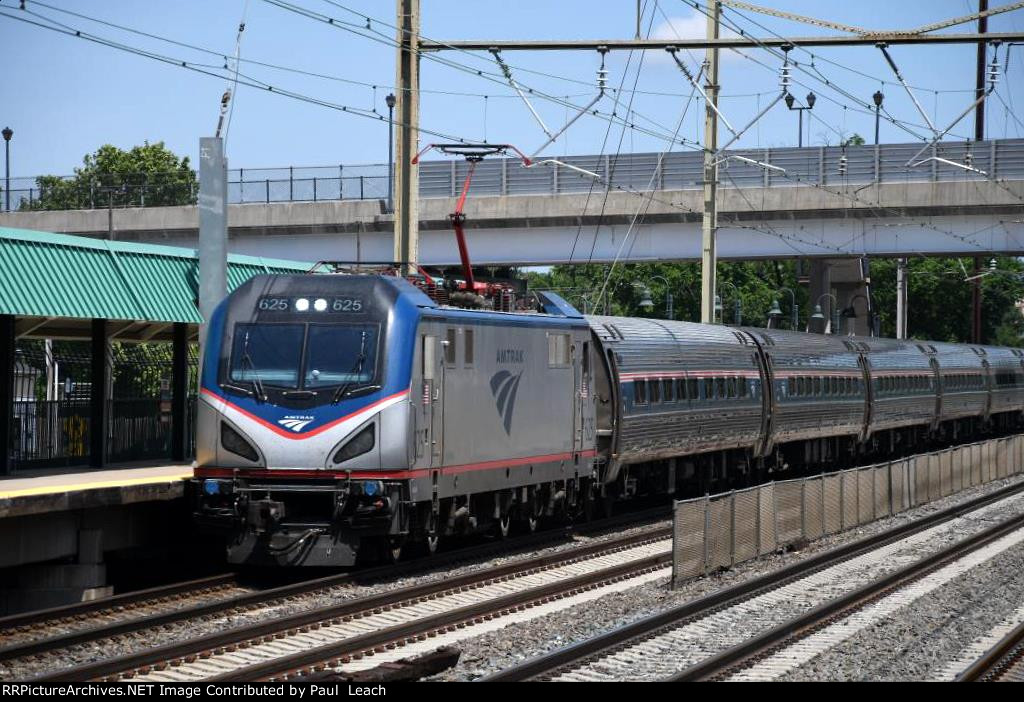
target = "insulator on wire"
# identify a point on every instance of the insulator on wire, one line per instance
(842, 164)
(993, 72)
(968, 159)
(785, 78)
(602, 78)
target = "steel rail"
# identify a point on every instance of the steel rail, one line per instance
(544, 665)
(388, 599)
(782, 635)
(995, 662)
(52, 614)
(262, 597)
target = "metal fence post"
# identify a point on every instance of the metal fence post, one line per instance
(803, 509)
(554, 179)
(878, 163)
(268, 190)
(823, 521)
(314, 189)
(291, 183)
(775, 514)
(757, 522)
(767, 171)
(821, 165)
(992, 160)
(361, 188)
(504, 176)
(842, 502)
(732, 528)
(707, 528)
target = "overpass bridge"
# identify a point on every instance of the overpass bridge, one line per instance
(815, 202)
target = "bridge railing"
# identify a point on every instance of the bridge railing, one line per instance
(828, 166)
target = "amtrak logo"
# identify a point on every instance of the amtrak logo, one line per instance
(504, 387)
(296, 422)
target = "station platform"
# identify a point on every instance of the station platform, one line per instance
(49, 491)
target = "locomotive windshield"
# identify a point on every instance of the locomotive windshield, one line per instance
(300, 356)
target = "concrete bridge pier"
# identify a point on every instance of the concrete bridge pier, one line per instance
(848, 280)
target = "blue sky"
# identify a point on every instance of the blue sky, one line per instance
(64, 97)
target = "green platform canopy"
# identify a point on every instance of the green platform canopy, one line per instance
(53, 284)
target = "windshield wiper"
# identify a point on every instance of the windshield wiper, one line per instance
(238, 388)
(356, 369)
(257, 384)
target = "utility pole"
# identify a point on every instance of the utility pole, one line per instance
(901, 299)
(407, 142)
(709, 227)
(979, 134)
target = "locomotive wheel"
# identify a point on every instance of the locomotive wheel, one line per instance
(394, 549)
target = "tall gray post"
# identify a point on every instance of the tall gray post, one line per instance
(213, 228)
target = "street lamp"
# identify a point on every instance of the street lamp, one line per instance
(390, 100)
(646, 303)
(819, 315)
(737, 304)
(811, 99)
(8, 133)
(669, 311)
(774, 314)
(794, 310)
(877, 97)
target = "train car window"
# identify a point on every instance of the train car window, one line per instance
(730, 388)
(558, 350)
(742, 386)
(667, 390)
(694, 389)
(468, 343)
(640, 392)
(655, 389)
(449, 348)
(719, 388)
(681, 389)
(817, 387)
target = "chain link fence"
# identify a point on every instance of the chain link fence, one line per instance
(719, 531)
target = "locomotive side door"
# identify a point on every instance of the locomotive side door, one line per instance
(429, 447)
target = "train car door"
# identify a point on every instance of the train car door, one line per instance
(581, 383)
(432, 428)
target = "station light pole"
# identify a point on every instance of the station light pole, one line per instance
(794, 310)
(390, 100)
(811, 99)
(877, 97)
(669, 310)
(737, 311)
(8, 133)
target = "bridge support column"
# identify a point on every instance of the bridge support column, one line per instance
(100, 380)
(841, 287)
(6, 393)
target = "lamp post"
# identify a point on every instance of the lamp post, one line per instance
(390, 100)
(877, 97)
(646, 303)
(8, 133)
(794, 310)
(737, 304)
(669, 311)
(811, 99)
(819, 315)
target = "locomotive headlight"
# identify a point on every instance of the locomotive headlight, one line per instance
(302, 304)
(233, 442)
(320, 305)
(361, 443)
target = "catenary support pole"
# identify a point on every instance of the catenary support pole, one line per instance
(407, 145)
(901, 298)
(709, 224)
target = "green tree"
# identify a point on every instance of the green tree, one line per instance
(855, 140)
(144, 176)
(940, 298)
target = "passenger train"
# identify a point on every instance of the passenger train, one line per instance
(340, 414)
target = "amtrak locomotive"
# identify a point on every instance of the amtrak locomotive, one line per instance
(347, 413)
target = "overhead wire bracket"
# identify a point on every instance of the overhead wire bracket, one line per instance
(993, 78)
(602, 82)
(515, 86)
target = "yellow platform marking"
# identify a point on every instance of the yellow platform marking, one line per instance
(122, 482)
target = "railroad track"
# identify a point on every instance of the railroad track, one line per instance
(47, 632)
(343, 626)
(1004, 662)
(821, 589)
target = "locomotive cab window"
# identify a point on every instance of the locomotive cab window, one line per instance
(558, 350)
(449, 347)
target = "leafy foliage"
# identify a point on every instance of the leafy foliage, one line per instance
(939, 297)
(145, 176)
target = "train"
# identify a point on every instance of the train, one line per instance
(344, 416)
